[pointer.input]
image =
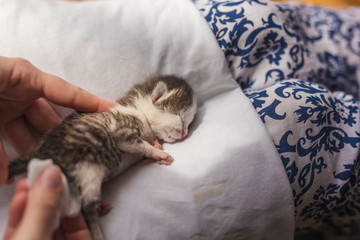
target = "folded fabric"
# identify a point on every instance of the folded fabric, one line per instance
(299, 65)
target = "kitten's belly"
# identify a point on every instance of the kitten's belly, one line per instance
(127, 160)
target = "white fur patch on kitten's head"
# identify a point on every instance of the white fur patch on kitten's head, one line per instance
(168, 103)
(175, 108)
(172, 127)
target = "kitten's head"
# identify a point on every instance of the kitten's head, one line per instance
(175, 105)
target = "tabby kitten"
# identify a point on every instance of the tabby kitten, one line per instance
(91, 148)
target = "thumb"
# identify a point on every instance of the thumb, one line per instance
(41, 216)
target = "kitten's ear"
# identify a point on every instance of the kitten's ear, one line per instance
(159, 91)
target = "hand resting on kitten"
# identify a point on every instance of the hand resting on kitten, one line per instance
(24, 92)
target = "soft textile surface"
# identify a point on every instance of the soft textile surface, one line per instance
(227, 181)
(299, 65)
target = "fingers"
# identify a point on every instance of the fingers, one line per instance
(20, 136)
(27, 80)
(42, 205)
(42, 116)
(75, 228)
(17, 207)
(22, 186)
(58, 234)
(65, 94)
(16, 211)
(18, 79)
(3, 165)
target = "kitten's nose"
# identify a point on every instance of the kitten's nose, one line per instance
(183, 134)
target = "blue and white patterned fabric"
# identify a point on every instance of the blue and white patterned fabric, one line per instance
(299, 65)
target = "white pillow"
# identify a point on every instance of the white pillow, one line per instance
(227, 180)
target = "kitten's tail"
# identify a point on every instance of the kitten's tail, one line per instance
(19, 165)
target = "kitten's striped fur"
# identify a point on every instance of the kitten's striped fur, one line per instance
(91, 148)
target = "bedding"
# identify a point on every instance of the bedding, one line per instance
(299, 65)
(274, 147)
(227, 181)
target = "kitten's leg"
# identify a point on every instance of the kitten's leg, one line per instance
(92, 219)
(89, 178)
(144, 148)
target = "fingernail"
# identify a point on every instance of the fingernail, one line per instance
(50, 177)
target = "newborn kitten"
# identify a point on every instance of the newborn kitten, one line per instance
(91, 148)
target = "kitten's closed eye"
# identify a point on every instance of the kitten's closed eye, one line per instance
(174, 128)
(173, 108)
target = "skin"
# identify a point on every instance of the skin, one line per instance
(25, 93)
(40, 209)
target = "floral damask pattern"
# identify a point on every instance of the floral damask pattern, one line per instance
(290, 37)
(298, 64)
(317, 134)
(272, 48)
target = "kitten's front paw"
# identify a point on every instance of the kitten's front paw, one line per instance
(156, 144)
(165, 159)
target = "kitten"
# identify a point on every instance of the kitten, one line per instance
(91, 148)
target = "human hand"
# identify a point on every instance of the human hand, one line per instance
(24, 95)
(31, 214)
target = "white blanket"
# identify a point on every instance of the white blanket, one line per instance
(227, 181)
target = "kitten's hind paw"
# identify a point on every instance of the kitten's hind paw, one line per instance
(104, 208)
(165, 160)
